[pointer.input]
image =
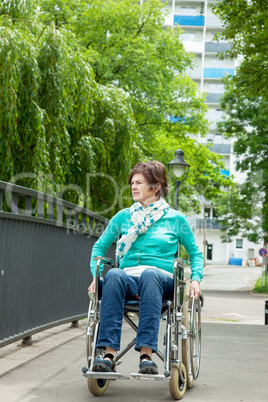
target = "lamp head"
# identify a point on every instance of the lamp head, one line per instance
(178, 165)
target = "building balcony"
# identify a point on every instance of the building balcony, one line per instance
(225, 172)
(213, 98)
(195, 73)
(173, 119)
(213, 125)
(217, 72)
(210, 224)
(221, 148)
(194, 46)
(215, 47)
(169, 20)
(189, 20)
(213, 22)
(183, 1)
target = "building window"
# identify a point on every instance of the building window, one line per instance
(216, 63)
(188, 36)
(218, 139)
(216, 88)
(239, 243)
(210, 137)
(214, 213)
(207, 212)
(251, 253)
(188, 11)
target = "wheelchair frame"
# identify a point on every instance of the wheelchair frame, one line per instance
(182, 339)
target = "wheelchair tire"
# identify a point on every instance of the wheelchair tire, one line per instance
(97, 387)
(185, 343)
(195, 336)
(177, 387)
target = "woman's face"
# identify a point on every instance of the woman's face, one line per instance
(141, 190)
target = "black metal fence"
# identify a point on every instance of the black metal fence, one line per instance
(45, 247)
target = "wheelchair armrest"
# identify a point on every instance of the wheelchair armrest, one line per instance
(178, 276)
(178, 268)
(104, 260)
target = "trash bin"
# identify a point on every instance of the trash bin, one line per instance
(236, 261)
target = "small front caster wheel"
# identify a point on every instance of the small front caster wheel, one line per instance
(97, 386)
(177, 383)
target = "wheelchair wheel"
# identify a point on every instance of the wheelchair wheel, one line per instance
(185, 344)
(177, 385)
(97, 387)
(91, 327)
(195, 336)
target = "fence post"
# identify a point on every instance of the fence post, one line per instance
(27, 341)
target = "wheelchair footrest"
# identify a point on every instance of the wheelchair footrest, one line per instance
(105, 375)
(152, 377)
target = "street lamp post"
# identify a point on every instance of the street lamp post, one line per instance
(205, 240)
(178, 166)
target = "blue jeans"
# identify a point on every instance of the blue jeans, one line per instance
(152, 287)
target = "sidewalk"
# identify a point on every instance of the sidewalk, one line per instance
(233, 368)
(214, 286)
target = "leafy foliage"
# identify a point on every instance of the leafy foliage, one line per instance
(245, 24)
(88, 89)
(54, 117)
(127, 46)
(246, 105)
(245, 209)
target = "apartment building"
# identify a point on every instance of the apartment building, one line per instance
(199, 26)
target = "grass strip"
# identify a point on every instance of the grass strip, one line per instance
(261, 285)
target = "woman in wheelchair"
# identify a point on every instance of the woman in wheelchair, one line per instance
(149, 233)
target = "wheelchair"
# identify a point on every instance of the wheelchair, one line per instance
(182, 338)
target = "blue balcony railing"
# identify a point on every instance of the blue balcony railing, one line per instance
(190, 20)
(217, 72)
(173, 119)
(225, 172)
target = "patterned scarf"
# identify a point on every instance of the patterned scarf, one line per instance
(142, 219)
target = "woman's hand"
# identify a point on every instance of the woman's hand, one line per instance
(195, 290)
(92, 286)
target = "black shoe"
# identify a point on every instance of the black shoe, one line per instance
(104, 365)
(147, 366)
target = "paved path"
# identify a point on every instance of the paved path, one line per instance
(230, 278)
(233, 366)
(228, 297)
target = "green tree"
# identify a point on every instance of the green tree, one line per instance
(54, 117)
(127, 46)
(91, 90)
(245, 208)
(245, 26)
(246, 105)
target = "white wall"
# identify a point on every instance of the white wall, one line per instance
(220, 251)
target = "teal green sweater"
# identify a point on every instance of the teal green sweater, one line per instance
(157, 247)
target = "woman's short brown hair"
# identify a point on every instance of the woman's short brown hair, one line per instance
(154, 173)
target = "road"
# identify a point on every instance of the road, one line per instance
(228, 297)
(233, 367)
